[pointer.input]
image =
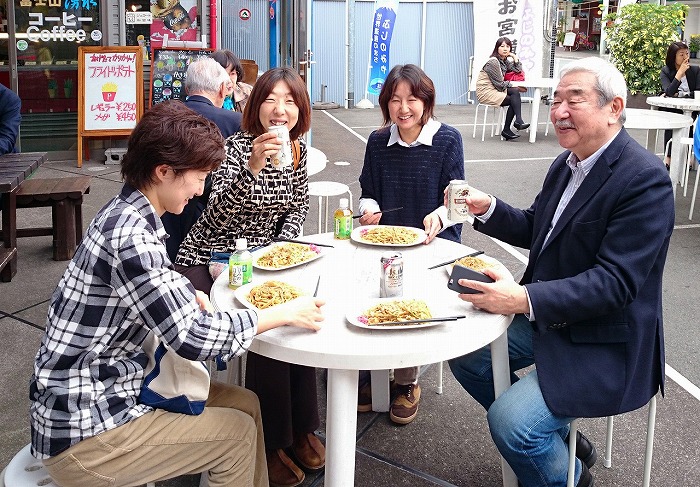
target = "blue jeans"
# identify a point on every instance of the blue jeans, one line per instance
(527, 434)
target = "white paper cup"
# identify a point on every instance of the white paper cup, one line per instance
(696, 95)
(284, 156)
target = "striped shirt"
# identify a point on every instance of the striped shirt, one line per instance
(119, 285)
(242, 205)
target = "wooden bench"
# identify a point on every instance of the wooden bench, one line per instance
(65, 197)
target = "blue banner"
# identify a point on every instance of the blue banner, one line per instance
(382, 28)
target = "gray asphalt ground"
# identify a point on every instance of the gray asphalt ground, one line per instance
(448, 443)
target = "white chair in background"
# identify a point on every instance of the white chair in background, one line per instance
(690, 157)
(648, 452)
(326, 189)
(498, 110)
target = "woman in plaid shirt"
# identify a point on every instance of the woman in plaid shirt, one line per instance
(88, 425)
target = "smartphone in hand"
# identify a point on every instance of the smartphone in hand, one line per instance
(461, 272)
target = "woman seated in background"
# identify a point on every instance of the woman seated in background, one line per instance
(678, 79)
(253, 199)
(241, 91)
(493, 89)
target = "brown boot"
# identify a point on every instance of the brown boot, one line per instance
(405, 406)
(309, 453)
(282, 470)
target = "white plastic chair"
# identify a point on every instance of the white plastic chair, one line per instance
(690, 155)
(26, 471)
(649, 450)
(326, 189)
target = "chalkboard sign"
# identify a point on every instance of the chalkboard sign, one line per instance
(169, 70)
(110, 91)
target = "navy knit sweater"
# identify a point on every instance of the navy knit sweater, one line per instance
(412, 177)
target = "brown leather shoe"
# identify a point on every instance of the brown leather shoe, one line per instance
(282, 470)
(309, 453)
(405, 407)
(364, 398)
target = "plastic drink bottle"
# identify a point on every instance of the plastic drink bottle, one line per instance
(240, 265)
(342, 219)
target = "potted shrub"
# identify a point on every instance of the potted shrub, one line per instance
(694, 45)
(638, 36)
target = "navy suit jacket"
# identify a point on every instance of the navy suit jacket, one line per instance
(228, 121)
(177, 226)
(595, 286)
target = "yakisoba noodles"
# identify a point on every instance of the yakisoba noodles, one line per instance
(473, 263)
(389, 235)
(272, 293)
(287, 254)
(400, 310)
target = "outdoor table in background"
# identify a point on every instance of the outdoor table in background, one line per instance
(638, 118)
(349, 279)
(14, 168)
(315, 161)
(537, 84)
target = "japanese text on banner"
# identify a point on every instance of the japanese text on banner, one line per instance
(382, 29)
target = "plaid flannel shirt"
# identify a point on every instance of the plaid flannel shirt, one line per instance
(119, 286)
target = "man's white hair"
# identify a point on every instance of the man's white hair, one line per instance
(205, 75)
(609, 81)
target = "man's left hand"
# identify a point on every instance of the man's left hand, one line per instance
(505, 296)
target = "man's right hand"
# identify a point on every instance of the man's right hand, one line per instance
(478, 202)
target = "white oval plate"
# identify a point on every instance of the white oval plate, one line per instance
(449, 267)
(353, 316)
(260, 252)
(241, 294)
(357, 233)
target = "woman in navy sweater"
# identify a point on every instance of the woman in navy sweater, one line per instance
(409, 162)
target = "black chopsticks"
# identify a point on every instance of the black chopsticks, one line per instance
(382, 211)
(425, 320)
(473, 254)
(318, 281)
(277, 239)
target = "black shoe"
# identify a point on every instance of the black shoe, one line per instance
(508, 135)
(585, 450)
(520, 126)
(586, 479)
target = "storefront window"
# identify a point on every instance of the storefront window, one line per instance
(48, 33)
(149, 21)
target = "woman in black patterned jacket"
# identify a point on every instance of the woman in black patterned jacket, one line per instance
(253, 199)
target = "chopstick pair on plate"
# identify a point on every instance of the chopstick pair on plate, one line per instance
(424, 320)
(473, 254)
(381, 211)
(277, 239)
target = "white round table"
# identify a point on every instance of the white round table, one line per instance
(349, 277)
(654, 120)
(315, 160)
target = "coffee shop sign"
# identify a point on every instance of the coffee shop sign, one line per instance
(60, 32)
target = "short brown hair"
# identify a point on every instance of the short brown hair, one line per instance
(421, 85)
(263, 87)
(172, 134)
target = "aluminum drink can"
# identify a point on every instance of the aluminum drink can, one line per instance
(457, 192)
(284, 156)
(391, 278)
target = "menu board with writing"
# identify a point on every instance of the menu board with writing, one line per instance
(169, 70)
(111, 88)
(110, 91)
